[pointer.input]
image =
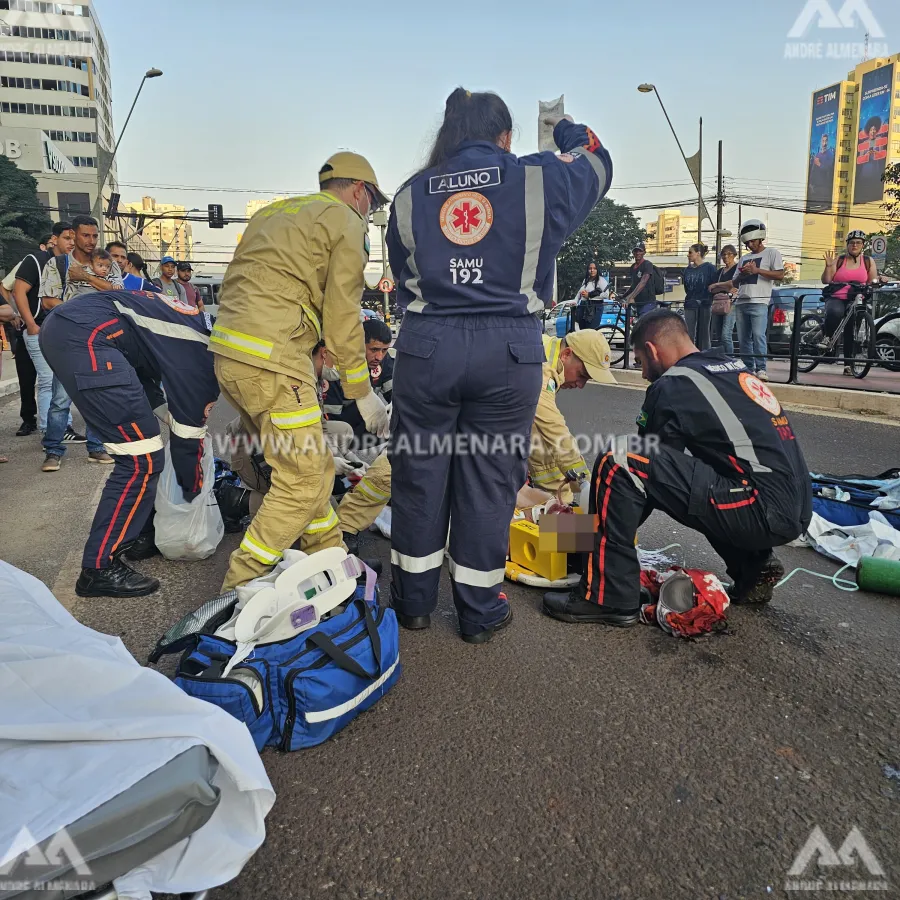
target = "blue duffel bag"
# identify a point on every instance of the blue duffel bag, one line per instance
(298, 692)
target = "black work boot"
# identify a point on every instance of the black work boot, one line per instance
(143, 547)
(756, 589)
(569, 607)
(234, 504)
(484, 636)
(119, 580)
(352, 543)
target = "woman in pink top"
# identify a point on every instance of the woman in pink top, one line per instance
(853, 266)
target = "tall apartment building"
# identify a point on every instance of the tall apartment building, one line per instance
(672, 232)
(854, 135)
(166, 227)
(254, 206)
(56, 99)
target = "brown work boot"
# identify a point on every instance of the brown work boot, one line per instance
(51, 463)
(100, 456)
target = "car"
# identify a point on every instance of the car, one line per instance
(552, 314)
(887, 341)
(208, 287)
(782, 306)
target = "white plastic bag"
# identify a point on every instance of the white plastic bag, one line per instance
(188, 530)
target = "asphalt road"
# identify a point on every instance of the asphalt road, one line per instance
(559, 761)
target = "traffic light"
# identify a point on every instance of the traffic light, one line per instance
(113, 207)
(216, 216)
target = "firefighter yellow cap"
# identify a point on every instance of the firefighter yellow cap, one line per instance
(591, 348)
(353, 166)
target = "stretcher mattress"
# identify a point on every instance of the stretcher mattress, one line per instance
(152, 815)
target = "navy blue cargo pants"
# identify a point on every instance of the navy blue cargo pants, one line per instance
(109, 395)
(627, 487)
(465, 392)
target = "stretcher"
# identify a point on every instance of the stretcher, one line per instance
(154, 814)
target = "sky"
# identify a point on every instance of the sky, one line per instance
(255, 96)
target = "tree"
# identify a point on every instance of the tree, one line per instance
(891, 206)
(23, 221)
(607, 236)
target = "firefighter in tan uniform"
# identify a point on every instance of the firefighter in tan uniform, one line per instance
(570, 362)
(297, 273)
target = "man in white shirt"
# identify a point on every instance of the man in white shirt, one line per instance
(758, 270)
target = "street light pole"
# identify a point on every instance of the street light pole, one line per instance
(651, 89)
(150, 73)
(720, 200)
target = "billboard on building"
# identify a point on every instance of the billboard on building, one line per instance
(873, 134)
(822, 144)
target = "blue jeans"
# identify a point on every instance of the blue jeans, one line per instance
(44, 379)
(58, 418)
(752, 321)
(722, 331)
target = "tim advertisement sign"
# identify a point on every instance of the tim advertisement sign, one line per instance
(822, 143)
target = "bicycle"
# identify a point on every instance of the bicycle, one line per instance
(816, 346)
(612, 328)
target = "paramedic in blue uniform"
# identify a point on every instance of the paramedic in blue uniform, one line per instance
(99, 346)
(472, 241)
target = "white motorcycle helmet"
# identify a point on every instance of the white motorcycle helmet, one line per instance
(753, 230)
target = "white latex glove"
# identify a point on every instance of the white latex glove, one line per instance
(344, 466)
(360, 466)
(374, 414)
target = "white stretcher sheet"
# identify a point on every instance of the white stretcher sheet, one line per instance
(81, 721)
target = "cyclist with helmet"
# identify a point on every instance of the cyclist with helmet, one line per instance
(757, 272)
(853, 266)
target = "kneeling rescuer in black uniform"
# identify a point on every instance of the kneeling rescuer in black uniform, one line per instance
(745, 484)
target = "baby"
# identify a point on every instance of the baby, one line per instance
(101, 264)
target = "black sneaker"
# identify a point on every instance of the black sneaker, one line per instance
(73, 437)
(119, 580)
(567, 607)
(26, 428)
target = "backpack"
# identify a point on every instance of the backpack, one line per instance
(658, 280)
(842, 259)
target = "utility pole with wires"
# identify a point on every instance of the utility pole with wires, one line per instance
(720, 203)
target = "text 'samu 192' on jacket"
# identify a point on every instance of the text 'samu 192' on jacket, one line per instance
(481, 232)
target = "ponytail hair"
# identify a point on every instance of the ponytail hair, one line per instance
(137, 261)
(469, 116)
(702, 249)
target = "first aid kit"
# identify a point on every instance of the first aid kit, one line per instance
(188, 529)
(305, 651)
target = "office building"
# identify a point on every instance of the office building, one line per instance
(165, 227)
(671, 233)
(854, 135)
(56, 99)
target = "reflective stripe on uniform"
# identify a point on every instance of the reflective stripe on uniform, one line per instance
(403, 212)
(166, 329)
(326, 523)
(135, 448)
(185, 431)
(475, 577)
(366, 487)
(737, 434)
(534, 234)
(246, 343)
(417, 565)
(334, 409)
(552, 349)
(547, 476)
(259, 551)
(596, 164)
(314, 319)
(358, 374)
(297, 418)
